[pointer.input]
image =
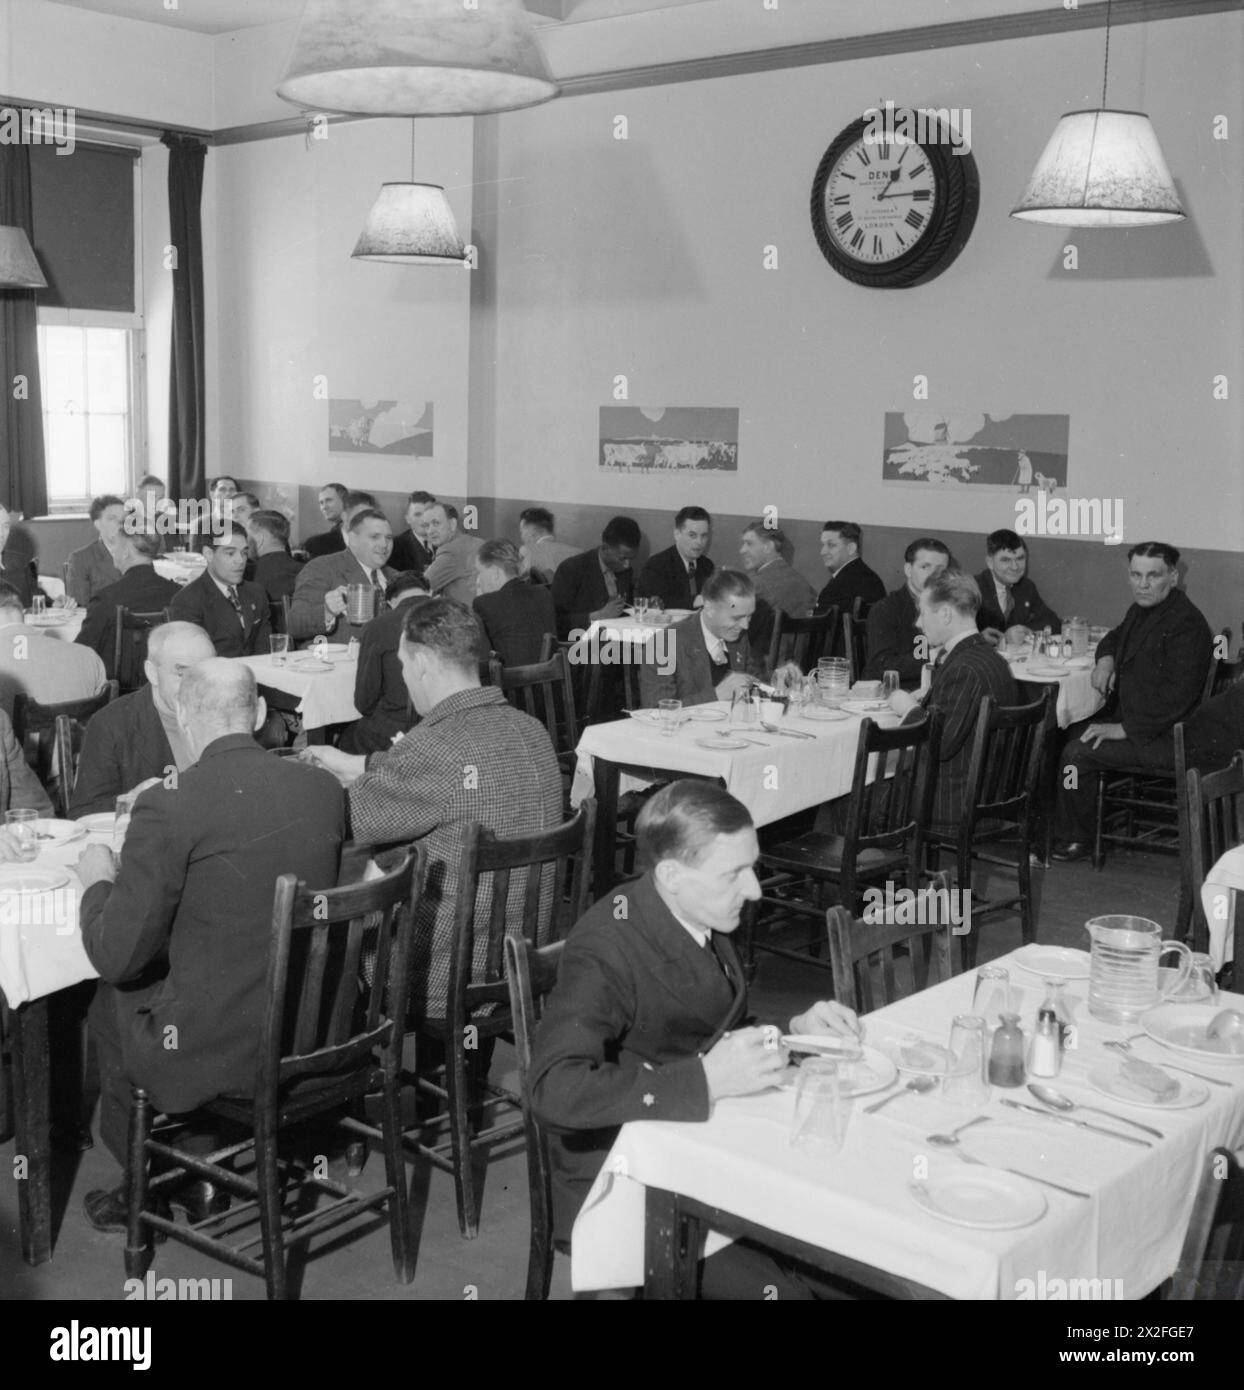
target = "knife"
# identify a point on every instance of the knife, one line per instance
(786, 733)
(1045, 1182)
(1079, 1124)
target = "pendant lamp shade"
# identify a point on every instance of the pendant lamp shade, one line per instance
(18, 268)
(416, 58)
(1101, 169)
(410, 224)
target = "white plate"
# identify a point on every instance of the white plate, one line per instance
(645, 716)
(717, 744)
(916, 1057)
(99, 823)
(17, 878)
(1053, 672)
(1107, 1079)
(52, 619)
(835, 1048)
(1052, 962)
(870, 1071)
(864, 706)
(54, 833)
(331, 651)
(706, 714)
(1080, 663)
(311, 668)
(1181, 1027)
(822, 713)
(982, 1198)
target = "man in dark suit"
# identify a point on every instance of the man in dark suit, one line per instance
(140, 589)
(276, 570)
(1213, 733)
(179, 929)
(1153, 668)
(231, 610)
(380, 693)
(1009, 599)
(17, 558)
(332, 504)
(514, 615)
(321, 594)
(598, 583)
(849, 577)
(782, 587)
(137, 738)
(708, 656)
(97, 565)
(677, 575)
(965, 670)
(410, 549)
(894, 642)
(648, 1019)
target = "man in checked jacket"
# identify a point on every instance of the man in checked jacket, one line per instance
(472, 757)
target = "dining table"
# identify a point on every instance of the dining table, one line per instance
(1048, 1208)
(56, 622)
(324, 687)
(1077, 699)
(812, 760)
(41, 953)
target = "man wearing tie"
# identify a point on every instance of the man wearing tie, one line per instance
(321, 595)
(677, 575)
(1009, 599)
(648, 1019)
(232, 610)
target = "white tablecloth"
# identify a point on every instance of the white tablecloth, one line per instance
(180, 573)
(66, 631)
(40, 940)
(1076, 697)
(324, 697)
(857, 1202)
(1220, 896)
(776, 779)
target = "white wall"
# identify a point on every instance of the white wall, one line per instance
(643, 257)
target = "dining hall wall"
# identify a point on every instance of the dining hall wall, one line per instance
(294, 322)
(644, 258)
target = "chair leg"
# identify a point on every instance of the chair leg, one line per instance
(268, 1180)
(138, 1238)
(1099, 854)
(458, 1090)
(395, 1176)
(6, 1078)
(1183, 913)
(1027, 927)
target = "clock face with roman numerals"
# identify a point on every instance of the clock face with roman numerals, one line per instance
(893, 213)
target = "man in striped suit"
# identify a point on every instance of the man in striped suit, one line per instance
(965, 670)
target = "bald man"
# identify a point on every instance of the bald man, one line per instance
(179, 927)
(137, 738)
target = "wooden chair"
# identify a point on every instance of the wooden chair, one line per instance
(859, 950)
(547, 876)
(1215, 824)
(1000, 802)
(129, 650)
(802, 640)
(35, 727)
(886, 816)
(278, 614)
(1211, 1264)
(543, 691)
(855, 643)
(531, 972)
(327, 1042)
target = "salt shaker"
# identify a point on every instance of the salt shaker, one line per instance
(1045, 1053)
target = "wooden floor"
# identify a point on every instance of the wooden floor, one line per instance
(88, 1266)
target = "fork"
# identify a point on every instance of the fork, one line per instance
(1126, 1046)
(1045, 1182)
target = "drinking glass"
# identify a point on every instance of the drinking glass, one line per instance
(279, 644)
(38, 605)
(125, 809)
(23, 826)
(671, 716)
(821, 1109)
(992, 996)
(1201, 986)
(742, 707)
(966, 1081)
(889, 684)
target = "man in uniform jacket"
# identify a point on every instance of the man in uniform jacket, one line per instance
(965, 670)
(232, 611)
(514, 615)
(1008, 597)
(137, 737)
(648, 1018)
(677, 575)
(849, 577)
(894, 641)
(140, 589)
(180, 928)
(598, 583)
(1153, 668)
(320, 606)
(380, 693)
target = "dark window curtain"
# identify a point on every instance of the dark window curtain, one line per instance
(23, 474)
(186, 461)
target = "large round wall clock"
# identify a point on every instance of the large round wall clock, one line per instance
(894, 199)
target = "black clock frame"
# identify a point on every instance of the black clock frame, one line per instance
(954, 215)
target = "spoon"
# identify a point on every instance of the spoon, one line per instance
(951, 1141)
(786, 733)
(1047, 1095)
(919, 1084)
(948, 1140)
(1125, 1045)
